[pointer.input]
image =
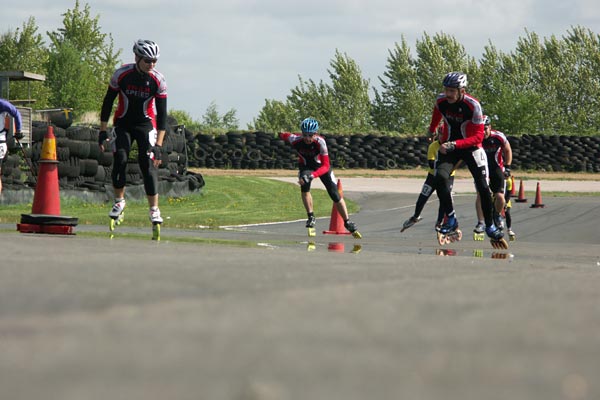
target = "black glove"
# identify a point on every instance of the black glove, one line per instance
(155, 152)
(507, 171)
(19, 135)
(102, 137)
(306, 178)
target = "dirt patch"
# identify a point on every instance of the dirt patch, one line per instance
(395, 173)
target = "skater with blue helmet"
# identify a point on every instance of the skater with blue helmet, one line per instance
(313, 162)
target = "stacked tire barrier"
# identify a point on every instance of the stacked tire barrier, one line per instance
(82, 166)
(260, 150)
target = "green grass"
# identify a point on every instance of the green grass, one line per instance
(225, 200)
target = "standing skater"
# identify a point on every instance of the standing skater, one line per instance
(141, 115)
(463, 116)
(313, 162)
(499, 155)
(6, 109)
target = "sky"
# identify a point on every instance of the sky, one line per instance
(238, 53)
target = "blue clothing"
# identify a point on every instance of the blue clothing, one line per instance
(6, 109)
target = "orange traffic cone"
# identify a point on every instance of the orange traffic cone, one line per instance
(45, 214)
(336, 247)
(513, 189)
(336, 223)
(521, 198)
(538, 198)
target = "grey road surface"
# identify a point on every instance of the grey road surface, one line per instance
(277, 317)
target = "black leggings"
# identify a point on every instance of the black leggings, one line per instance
(328, 180)
(145, 136)
(476, 161)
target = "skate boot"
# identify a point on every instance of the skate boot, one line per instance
(116, 214)
(156, 219)
(499, 221)
(351, 226)
(310, 225)
(410, 222)
(449, 232)
(512, 236)
(479, 232)
(496, 237)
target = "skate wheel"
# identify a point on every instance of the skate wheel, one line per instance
(356, 249)
(311, 246)
(312, 232)
(478, 237)
(512, 238)
(111, 225)
(499, 244)
(356, 235)
(459, 234)
(156, 232)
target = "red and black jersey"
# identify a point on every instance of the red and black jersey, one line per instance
(494, 148)
(313, 156)
(142, 97)
(463, 120)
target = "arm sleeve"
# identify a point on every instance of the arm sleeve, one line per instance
(12, 110)
(161, 113)
(436, 117)
(285, 136)
(107, 104)
(474, 133)
(324, 166)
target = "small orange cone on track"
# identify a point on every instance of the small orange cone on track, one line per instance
(336, 224)
(538, 198)
(521, 198)
(45, 214)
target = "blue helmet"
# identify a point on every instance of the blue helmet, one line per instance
(309, 125)
(456, 80)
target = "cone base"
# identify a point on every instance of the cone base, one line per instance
(537, 206)
(48, 219)
(50, 229)
(336, 233)
(521, 200)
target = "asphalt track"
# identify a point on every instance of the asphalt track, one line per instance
(272, 316)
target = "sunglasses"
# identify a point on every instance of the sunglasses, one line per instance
(308, 134)
(150, 60)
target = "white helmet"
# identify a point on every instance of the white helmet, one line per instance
(146, 49)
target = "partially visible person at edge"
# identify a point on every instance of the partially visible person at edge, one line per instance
(141, 115)
(8, 110)
(462, 114)
(313, 162)
(428, 186)
(499, 155)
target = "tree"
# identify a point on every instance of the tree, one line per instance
(213, 120)
(23, 50)
(342, 106)
(276, 116)
(84, 44)
(351, 104)
(72, 81)
(401, 106)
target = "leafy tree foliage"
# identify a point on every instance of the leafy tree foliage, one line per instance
(23, 50)
(213, 120)
(343, 106)
(276, 116)
(80, 42)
